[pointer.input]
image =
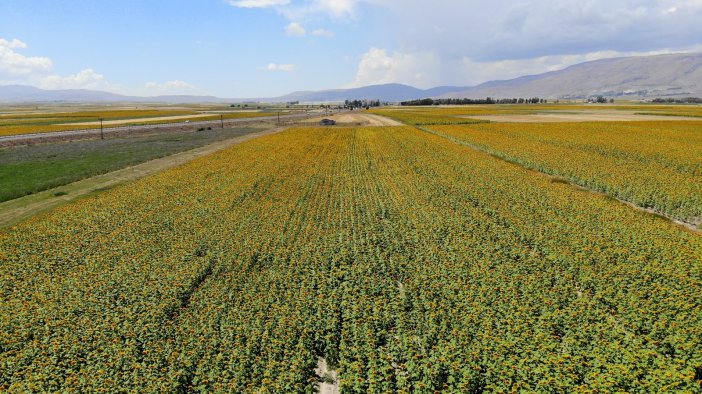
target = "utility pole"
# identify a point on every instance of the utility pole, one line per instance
(278, 118)
(221, 119)
(102, 135)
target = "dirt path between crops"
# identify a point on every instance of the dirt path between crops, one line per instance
(356, 118)
(329, 381)
(17, 210)
(585, 116)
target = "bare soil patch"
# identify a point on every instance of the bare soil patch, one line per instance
(357, 119)
(586, 116)
(329, 380)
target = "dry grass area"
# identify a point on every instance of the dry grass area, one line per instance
(20, 120)
(585, 116)
(357, 119)
(128, 121)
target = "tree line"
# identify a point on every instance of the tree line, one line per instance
(686, 100)
(351, 104)
(467, 101)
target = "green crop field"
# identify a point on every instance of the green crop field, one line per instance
(30, 169)
(656, 165)
(410, 261)
(18, 122)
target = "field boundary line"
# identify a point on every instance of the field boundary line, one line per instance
(500, 156)
(95, 130)
(23, 208)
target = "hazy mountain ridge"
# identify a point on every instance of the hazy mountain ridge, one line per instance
(674, 75)
(392, 92)
(30, 94)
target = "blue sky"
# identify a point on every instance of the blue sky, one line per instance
(263, 48)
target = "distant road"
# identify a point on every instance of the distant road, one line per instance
(108, 130)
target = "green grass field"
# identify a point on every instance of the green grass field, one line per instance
(29, 169)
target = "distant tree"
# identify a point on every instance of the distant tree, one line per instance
(467, 101)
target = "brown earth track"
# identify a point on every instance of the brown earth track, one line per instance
(356, 118)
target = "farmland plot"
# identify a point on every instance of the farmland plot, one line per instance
(655, 165)
(409, 262)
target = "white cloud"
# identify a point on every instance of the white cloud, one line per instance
(295, 29)
(428, 69)
(36, 71)
(464, 43)
(504, 29)
(337, 8)
(323, 33)
(170, 87)
(15, 63)
(86, 79)
(379, 67)
(309, 9)
(14, 44)
(258, 3)
(280, 67)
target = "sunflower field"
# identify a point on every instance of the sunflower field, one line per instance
(655, 165)
(409, 262)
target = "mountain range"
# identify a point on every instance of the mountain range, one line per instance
(31, 94)
(672, 75)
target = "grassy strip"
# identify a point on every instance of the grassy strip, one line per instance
(108, 115)
(21, 126)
